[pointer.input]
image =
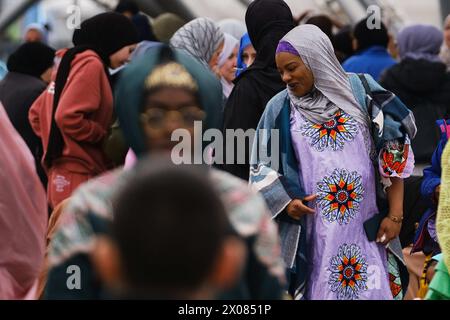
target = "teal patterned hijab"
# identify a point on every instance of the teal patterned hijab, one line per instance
(129, 97)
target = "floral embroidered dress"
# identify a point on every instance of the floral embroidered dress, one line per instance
(335, 163)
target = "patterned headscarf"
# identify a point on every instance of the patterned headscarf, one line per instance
(200, 38)
(24, 212)
(332, 90)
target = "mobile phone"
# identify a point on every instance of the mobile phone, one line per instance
(372, 226)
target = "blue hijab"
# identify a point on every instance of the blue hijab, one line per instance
(245, 42)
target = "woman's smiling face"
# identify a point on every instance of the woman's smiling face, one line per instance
(295, 73)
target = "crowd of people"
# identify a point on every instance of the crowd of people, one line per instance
(338, 196)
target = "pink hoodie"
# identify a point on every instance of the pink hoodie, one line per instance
(84, 115)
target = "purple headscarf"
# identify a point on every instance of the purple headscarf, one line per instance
(420, 42)
(285, 46)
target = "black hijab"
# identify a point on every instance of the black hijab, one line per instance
(144, 28)
(267, 22)
(141, 22)
(105, 34)
(32, 58)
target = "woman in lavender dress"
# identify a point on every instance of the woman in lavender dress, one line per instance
(333, 154)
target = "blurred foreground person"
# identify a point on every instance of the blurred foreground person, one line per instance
(439, 287)
(163, 91)
(153, 237)
(74, 114)
(23, 216)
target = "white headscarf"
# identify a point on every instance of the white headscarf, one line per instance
(229, 45)
(332, 89)
(233, 27)
(200, 38)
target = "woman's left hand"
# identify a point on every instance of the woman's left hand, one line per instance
(388, 231)
(391, 225)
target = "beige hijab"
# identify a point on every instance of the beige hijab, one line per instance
(332, 89)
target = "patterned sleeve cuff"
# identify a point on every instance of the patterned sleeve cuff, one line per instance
(396, 159)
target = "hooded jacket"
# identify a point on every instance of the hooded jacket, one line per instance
(84, 115)
(424, 86)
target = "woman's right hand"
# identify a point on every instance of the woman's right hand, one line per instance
(296, 208)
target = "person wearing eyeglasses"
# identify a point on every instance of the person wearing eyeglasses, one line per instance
(163, 91)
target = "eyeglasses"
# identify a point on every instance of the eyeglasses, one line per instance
(156, 117)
